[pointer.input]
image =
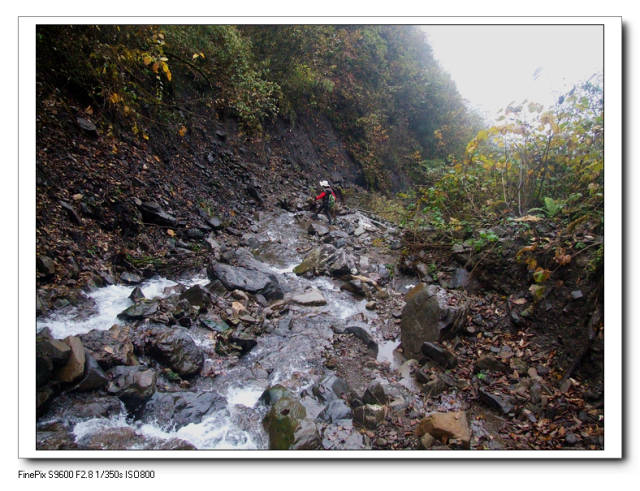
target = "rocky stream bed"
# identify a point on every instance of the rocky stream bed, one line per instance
(300, 335)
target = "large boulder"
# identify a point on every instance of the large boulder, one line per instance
(133, 385)
(110, 348)
(248, 280)
(51, 354)
(73, 369)
(94, 378)
(446, 426)
(177, 409)
(430, 314)
(139, 310)
(282, 421)
(177, 349)
(197, 296)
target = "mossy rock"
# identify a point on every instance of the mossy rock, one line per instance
(282, 421)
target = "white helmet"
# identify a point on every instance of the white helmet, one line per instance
(324, 184)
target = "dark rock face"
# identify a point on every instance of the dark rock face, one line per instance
(439, 354)
(430, 314)
(133, 385)
(177, 409)
(236, 277)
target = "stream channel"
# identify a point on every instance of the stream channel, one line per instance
(289, 351)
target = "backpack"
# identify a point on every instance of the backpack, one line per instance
(332, 199)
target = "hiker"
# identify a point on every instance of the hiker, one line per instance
(328, 198)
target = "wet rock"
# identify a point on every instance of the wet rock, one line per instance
(125, 438)
(375, 394)
(74, 407)
(198, 296)
(55, 436)
(51, 354)
(446, 426)
(369, 415)
(361, 331)
(236, 277)
(175, 348)
(134, 386)
(330, 387)
(177, 409)
(310, 298)
(439, 354)
(139, 310)
(137, 294)
(274, 394)
(245, 343)
(334, 411)
(282, 421)
(371, 305)
(94, 378)
(339, 436)
(494, 401)
(354, 286)
(130, 278)
(112, 347)
(74, 367)
(306, 436)
(430, 314)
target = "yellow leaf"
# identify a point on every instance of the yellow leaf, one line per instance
(195, 55)
(89, 110)
(182, 131)
(171, 233)
(146, 59)
(115, 98)
(155, 67)
(145, 136)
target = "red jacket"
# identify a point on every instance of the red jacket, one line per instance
(323, 194)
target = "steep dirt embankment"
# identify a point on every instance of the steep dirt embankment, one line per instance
(109, 202)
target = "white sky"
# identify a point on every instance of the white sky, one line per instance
(494, 65)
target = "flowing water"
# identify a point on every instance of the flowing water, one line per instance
(289, 353)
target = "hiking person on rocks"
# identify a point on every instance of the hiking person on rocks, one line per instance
(328, 198)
